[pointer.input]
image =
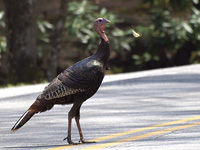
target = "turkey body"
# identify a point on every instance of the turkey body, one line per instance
(78, 82)
(73, 86)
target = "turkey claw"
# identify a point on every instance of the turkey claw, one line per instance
(65, 138)
(70, 141)
(87, 142)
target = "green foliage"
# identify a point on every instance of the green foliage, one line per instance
(166, 34)
(43, 25)
(2, 23)
(2, 37)
(174, 4)
(43, 35)
(194, 22)
(80, 26)
(2, 45)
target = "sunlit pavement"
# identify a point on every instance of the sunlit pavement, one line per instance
(157, 109)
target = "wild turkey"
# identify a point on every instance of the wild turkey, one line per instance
(74, 85)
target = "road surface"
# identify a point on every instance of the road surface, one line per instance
(157, 109)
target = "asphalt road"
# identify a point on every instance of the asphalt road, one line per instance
(158, 109)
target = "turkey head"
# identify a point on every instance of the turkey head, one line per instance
(99, 26)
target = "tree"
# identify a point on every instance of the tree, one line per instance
(21, 40)
(56, 40)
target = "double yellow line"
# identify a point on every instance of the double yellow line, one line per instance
(137, 137)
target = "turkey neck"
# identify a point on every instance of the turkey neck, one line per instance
(103, 52)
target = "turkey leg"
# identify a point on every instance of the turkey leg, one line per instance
(77, 118)
(75, 112)
(71, 115)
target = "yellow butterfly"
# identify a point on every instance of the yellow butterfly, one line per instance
(135, 34)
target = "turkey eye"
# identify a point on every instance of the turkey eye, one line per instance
(100, 20)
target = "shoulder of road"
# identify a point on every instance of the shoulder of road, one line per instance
(29, 89)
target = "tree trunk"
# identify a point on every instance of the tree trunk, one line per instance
(56, 40)
(21, 40)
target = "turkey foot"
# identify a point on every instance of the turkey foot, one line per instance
(84, 142)
(70, 141)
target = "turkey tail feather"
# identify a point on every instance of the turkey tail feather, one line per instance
(23, 119)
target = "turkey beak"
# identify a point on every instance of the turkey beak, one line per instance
(106, 21)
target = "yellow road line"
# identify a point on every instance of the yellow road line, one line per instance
(145, 128)
(141, 136)
(133, 131)
(62, 147)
